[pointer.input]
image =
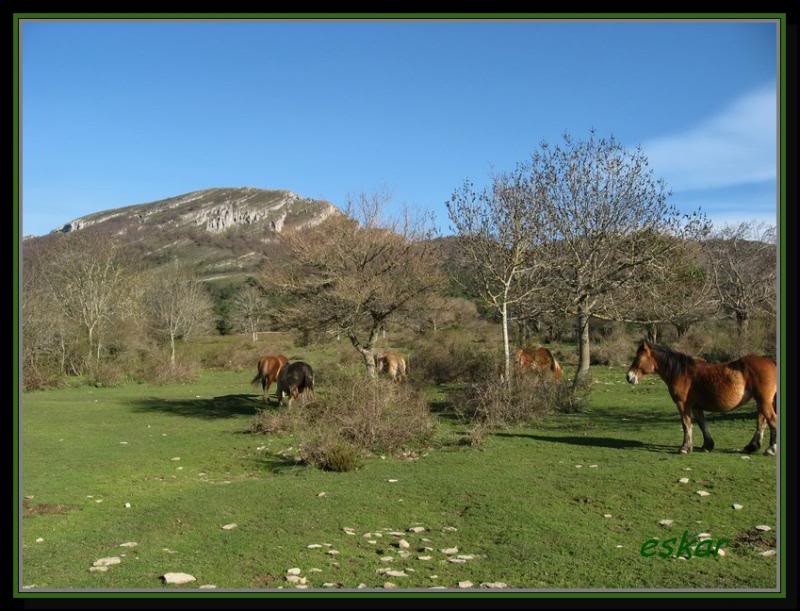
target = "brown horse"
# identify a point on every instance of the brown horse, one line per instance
(540, 359)
(269, 367)
(715, 387)
(394, 365)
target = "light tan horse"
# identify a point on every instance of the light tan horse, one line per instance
(269, 367)
(715, 387)
(540, 359)
(394, 365)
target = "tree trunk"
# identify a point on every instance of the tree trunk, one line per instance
(742, 323)
(99, 343)
(652, 333)
(255, 336)
(681, 329)
(367, 351)
(172, 346)
(583, 345)
(506, 347)
(91, 345)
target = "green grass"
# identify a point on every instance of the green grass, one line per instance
(530, 517)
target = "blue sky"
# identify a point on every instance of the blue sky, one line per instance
(117, 113)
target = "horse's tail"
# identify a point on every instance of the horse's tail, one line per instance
(259, 379)
(556, 369)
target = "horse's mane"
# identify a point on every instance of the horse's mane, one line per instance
(674, 363)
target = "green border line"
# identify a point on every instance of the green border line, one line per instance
(576, 594)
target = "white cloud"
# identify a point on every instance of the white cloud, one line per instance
(735, 146)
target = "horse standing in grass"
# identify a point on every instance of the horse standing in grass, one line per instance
(295, 378)
(269, 368)
(540, 359)
(696, 385)
(394, 365)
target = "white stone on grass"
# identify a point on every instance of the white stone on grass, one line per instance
(416, 529)
(111, 560)
(129, 544)
(456, 560)
(737, 507)
(39, 540)
(768, 553)
(208, 586)
(703, 492)
(447, 551)
(230, 526)
(494, 585)
(177, 578)
(683, 480)
(403, 544)
(314, 546)
(763, 528)
(465, 584)
(175, 458)
(396, 574)
(127, 505)
(665, 523)
(98, 569)
(449, 528)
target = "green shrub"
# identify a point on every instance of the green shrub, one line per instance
(331, 452)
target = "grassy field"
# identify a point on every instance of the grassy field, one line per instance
(528, 506)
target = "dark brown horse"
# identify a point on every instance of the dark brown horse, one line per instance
(269, 367)
(715, 387)
(540, 359)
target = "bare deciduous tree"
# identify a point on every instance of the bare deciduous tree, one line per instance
(354, 273)
(86, 278)
(176, 304)
(249, 310)
(743, 261)
(499, 229)
(606, 213)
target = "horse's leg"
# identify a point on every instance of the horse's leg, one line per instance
(772, 421)
(708, 442)
(686, 422)
(755, 442)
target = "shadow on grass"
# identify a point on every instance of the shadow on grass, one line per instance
(225, 406)
(595, 442)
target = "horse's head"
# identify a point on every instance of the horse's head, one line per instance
(643, 363)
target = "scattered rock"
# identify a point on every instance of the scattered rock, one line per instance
(314, 546)
(98, 569)
(768, 553)
(177, 578)
(123, 443)
(314, 570)
(763, 528)
(606, 515)
(230, 526)
(391, 481)
(175, 458)
(129, 544)
(451, 529)
(127, 505)
(593, 466)
(456, 560)
(403, 544)
(333, 552)
(416, 529)
(321, 494)
(745, 458)
(683, 480)
(703, 492)
(703, 536)
(387, 559)
(293, 578)
(293, 571)
(465, 584)
(388, 584)
(328, 584)
(579, 466)
(361, 586)
(395, 533)
(39, 540)
(396, 574)
(466, 557)
(208, 586)
(423, 557)
(720, 552)
(98, 500)
(107, 561)
(447, 551)
(737, 507)
(687, 468)
(494, 585)
(403, 553)
(372, 541)
(665, 523)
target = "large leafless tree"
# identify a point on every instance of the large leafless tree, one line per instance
(176, 304)
(743, 260)
(499, 230)
(249, 310)
(355, 273)
(605, 212)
